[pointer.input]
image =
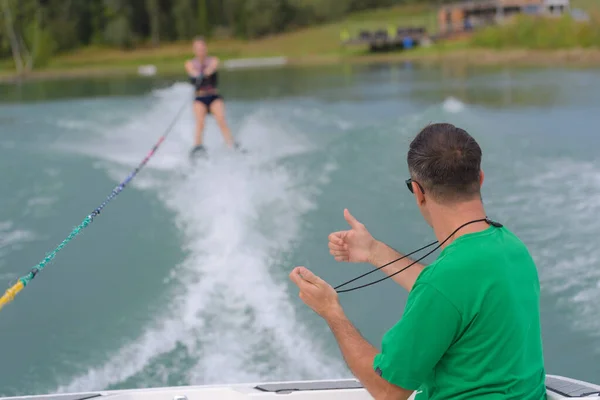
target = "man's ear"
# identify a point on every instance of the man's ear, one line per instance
(419, 196)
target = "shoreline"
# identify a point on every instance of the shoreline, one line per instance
(470, 56)
(474, 57)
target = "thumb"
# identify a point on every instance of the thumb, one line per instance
(307, 275)
(353, 222)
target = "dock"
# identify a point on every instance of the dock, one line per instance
(403, 38)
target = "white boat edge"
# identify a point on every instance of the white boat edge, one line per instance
(558, 387)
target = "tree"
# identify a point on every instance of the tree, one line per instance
(22, 57)
(204, 27)
(117, 30)
(263, 17)
(154, 14)
(185, 21)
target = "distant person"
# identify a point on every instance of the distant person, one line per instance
(202, 70)
(471, 325)
(468, 24)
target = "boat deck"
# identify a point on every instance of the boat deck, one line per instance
(558, 388)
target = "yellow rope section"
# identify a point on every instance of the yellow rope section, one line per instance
(11, 293)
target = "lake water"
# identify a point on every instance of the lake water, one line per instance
(183, 277)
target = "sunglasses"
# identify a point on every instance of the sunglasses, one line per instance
(409, 183)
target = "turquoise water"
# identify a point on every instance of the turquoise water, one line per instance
(183, 278)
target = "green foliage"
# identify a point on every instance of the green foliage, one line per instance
(184, 18)
(43, 42)
(204, 25)
(153, 8)
(63, 34)
(308, 12)
(118, 33)
(263, 17)
(360, 5)
(541, 33)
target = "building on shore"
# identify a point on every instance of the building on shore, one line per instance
(468, 15)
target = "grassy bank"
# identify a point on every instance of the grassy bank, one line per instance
(321, 45)
(540, 34)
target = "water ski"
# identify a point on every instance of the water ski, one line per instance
(198, 152)
(239, 148)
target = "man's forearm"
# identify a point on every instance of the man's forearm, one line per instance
(383, 254)
(359, 355)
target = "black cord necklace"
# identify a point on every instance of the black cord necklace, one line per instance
(486, 219)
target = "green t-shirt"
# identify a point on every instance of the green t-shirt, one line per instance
(471, 326)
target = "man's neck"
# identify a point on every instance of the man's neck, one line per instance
(446, 219)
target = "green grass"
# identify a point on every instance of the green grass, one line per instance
(541, 34)
(527, 32)
(591, 6)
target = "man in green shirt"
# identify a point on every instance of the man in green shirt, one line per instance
(471, 325)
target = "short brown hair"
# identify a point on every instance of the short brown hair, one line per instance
(446, 161)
